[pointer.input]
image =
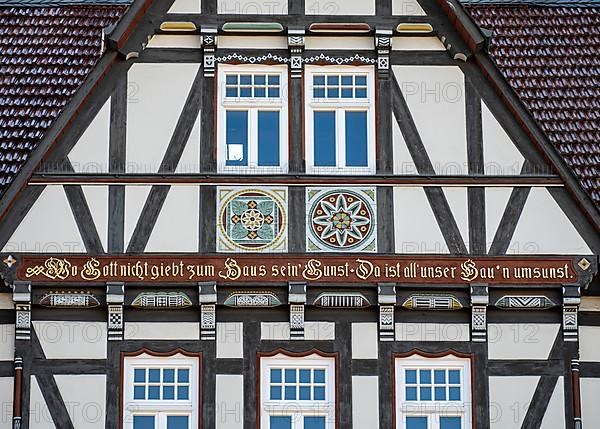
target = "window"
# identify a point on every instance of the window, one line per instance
(433, 393)
(340, 120)
(252, 123)
(160, 393)
(297, 393)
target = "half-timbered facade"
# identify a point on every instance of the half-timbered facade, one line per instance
(303, 214)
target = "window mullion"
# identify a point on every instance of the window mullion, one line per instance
(252, 137)
(341, 137)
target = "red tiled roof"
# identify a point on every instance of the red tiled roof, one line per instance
(46, 53)
(551, 57)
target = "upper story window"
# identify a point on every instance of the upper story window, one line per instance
(433, 393)
(160, 393)
(340, 119)
(297, 393)
(252, 129)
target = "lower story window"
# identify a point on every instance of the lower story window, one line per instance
(161, 392)
(297, 392)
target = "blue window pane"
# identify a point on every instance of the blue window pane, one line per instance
(360, 93)
(280, 422)
(305, 393)
(154, 392)
(275, 376)
(411, 376)
(356, 139)
(425, 376)
(274, 92)
(139, 392)
(319, 93)
(259, 79)
(183, 393)
(319, 375)
(236, 137)
(154, 375)
(290, 393)
(231, 79)
(440, 393)
(268, 138)
(346, 92)
(183, 376)
(260, 92)
(324, 139)
(454, 394)
(231, 92)
(139, 375)
(425, 393)
(450, 423)
(360, 80)
(246, 79)
(168, 375)
(177, 422)
(333, 92)
(246, 92)
(416, 423)
(314, 422)
(318, 79)
(439, 376)
(305, 376)
(411, 393)
(347, 80)
(274, 79)
(169, 392)
(319, 393)
(290, 375)
(333, 80)
(275, 393)
(143, 422)
(454, 376)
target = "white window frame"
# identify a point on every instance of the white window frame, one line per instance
(252, 105)
(433, 409)
(340, 105)
(298, 409)
(160, 408)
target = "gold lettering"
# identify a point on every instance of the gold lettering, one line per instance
(90, 270)
(232, 270)
(364, 270)
(468, 270)
(312, 270)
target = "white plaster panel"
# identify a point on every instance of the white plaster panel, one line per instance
(157, 94)
(417, 44)
(230, 340)
(254, 42)
(229, 401)
(432, 332)
(457, 200)
(346, 7)
(315, 331)
(278, 331)
(540, 215)
(554, 417)
(190, 158)
(403, 162)
(495, 204)
(500, 155)
(72, 339)
(365, 342)
(590, 392)
(176, 229)
(252, 7)
(162, 331)
(435, 97)
(6, 401)
(185, 6)
(90, 153)
(521, 340)
(6, 301)
(365, 402)
(589, 346)
(97, 200)
(509, 400)
(86, 405)
(324, 43)
(407, 7)
(187, 41)
(135, 198)
(39, 414)
(48, 227)
(588, 303)
(415, 228)
(7, 342)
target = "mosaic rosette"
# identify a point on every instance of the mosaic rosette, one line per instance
(251, 220)
(341, 220)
